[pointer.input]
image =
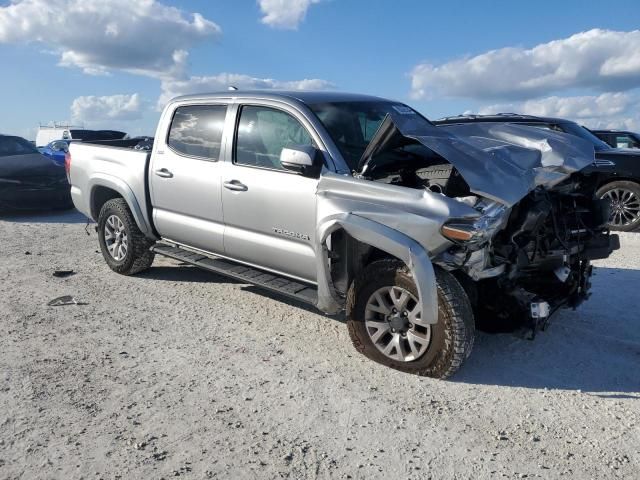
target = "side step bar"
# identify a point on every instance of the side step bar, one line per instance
(270, 281)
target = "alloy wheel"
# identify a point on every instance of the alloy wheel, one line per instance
(393, 319)
(115, 238)
(625, 206)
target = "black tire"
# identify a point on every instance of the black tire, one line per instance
(139, 257)
(451, 337)
(622, 185)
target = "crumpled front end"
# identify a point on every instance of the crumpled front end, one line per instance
(528, 223)
(525, 262)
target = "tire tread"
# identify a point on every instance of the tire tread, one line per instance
(454, 306)
(142, 256)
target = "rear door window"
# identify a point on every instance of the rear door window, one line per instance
(625, 141)
(196, 131)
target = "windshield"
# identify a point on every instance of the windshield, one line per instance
(10, 146)
(578, 131)
(352, 125)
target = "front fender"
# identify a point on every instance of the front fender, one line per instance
(388, 240)
(118, 185)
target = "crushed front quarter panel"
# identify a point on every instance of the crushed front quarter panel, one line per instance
(401, 221)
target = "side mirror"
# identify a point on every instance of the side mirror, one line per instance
(303, 159)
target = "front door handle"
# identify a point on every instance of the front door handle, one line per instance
(236, 186)
(164, 173)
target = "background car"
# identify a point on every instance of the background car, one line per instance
(56, 151)
(618, 138)
(28, 179)
(617, 171)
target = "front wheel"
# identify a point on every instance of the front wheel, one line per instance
(384, 318)
(124, 247)
(624, 198)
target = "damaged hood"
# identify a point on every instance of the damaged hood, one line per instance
(499, 161)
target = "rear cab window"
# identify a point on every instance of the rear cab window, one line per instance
(196, 131)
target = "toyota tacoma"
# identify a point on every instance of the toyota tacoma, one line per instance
(358, 204)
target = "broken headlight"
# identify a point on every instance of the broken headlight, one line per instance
(477, 231)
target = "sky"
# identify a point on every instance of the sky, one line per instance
(115, 63)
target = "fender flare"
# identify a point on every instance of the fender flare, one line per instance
(388, 240)
(118, 185)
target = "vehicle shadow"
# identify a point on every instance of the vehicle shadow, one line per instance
(44, 216)
(595, 348)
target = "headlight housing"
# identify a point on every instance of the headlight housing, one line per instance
(476, 231)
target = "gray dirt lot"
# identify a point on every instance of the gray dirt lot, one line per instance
(178, 372)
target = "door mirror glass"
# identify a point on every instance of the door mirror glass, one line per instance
(304, 159)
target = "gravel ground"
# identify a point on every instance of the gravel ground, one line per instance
(179, 372)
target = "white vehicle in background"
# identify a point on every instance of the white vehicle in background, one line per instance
(51, 133)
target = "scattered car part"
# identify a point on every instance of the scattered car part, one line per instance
(63, 273)
(65, 300)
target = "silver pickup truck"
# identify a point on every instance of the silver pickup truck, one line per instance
(357, 203)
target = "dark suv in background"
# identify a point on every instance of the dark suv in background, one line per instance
(618, 171)
(618, 138)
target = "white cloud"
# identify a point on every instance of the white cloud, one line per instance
(601, 60)
(92, 109)
(172, 88)
(287, 14)
(143, 37)
(608, 110)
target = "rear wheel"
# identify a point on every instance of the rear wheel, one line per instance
(624, 198)
(124, 247)
(385, 321)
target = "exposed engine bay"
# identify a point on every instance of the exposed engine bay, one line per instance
(517, 262)
(539, 258)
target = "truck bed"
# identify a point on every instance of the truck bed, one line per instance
(121, 168)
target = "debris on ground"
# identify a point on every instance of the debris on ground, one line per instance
(63, 273)
(64, 300)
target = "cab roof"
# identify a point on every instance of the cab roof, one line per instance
(304, 96)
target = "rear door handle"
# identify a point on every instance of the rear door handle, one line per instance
(236, 186)
(164, 173)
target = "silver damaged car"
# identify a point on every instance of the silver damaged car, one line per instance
(358, 204)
